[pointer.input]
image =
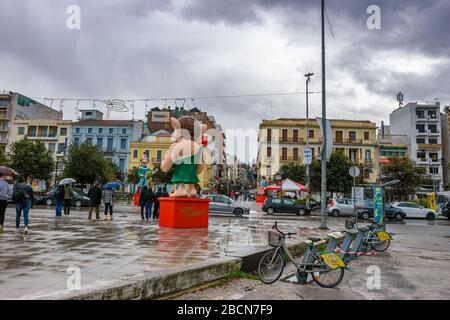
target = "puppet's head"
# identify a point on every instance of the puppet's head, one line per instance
(188, 128)
(144, 160)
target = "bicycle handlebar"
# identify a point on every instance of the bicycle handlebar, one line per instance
(289, 234)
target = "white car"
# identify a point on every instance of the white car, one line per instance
(413, 210)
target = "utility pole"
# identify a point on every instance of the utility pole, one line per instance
(308, 79)
(323, 219)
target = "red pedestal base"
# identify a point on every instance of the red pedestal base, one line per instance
(260, 198)
(136, 198)
(183, 212)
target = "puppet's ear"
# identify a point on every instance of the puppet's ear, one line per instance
(204, 128)
(175, 123)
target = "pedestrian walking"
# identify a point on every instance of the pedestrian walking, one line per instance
(141, 203)
(147, 198)
(95, 197)
(4, 190)
(158, 194)
(23, 196)
(59, 198)
(108, 200)
(68, 195)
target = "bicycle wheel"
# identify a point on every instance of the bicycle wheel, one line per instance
(327, 278)
(379, 245)
(270, 271)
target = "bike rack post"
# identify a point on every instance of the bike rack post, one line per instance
(349, 237)
(358, 245)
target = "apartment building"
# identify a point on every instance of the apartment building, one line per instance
(390, 145)
(113, 137)
(445, 134)
(284, 141)
(16, 110)
(421, 124)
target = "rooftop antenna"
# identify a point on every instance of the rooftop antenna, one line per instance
(400, 99)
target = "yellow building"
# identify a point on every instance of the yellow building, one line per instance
(155, 146)
(284, 140)
(54, 134)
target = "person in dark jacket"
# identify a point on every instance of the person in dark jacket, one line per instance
(158, 194)
(59, 197)
(147, 198)
(141, 203)
(95, 197)
(24, 204)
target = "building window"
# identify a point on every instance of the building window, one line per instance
(339, 136)
(366, 135)
(432, 114)
(352, 136)
(123, 143)
(63, 131)
(52, 147)
(353, 154)
(366, 173)
(147, 153)
(124, 131)
(420, 128)
(284, 154)
(100, 130)
(432, 141)
(432, 128)
(420, 114)
(89, 113)
(269, 134)
(311, 133)
(135, 153)
(421, 156)
(295, 133)
(111, 130)
(21, 131)
(420, 140)
(158, 156)
(109, 146)
(434, 170)
(368, 156)
(269, 152)
(32, 131)
(122, 165)
(89, 140)
(77, 130)
(61, 147)
(89, 130)
(100, 142)
(295, 154)
(434, 157)
(76, 140)
(284, 134)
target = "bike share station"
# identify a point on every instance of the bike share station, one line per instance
(352, 242)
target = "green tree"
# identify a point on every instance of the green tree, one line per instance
(338, 177)
(31, 159)
(293, 171)
(405, 170)
(117, 174)
(86, 164)
(3, 158)
(133, 175)
(161, 177)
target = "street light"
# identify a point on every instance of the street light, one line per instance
(323, 207)
(308, 80)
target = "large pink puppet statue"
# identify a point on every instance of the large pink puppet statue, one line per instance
(186, 156)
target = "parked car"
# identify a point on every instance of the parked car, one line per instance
(446, 210)
(413, 210)
(77, 199)
(391, 212)
(340, 207)
(273, 205)
(226, 205)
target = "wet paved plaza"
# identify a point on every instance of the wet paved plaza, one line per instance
(36, 265)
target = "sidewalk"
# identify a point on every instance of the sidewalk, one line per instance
(124, 253)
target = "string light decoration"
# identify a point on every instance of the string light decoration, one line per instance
(116, 105)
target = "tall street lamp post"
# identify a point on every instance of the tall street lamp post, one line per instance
(308, 79)
(323, 219)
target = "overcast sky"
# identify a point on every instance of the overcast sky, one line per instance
(183, 48)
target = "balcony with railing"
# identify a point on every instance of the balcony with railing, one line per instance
(289, 159)
(43, 136)
(291, 140)
(348, 141)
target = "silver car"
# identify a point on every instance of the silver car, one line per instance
(225, 205)
(341, 207)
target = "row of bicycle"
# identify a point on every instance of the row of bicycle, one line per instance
(324, 260)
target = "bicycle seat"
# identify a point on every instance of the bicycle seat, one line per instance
(314, 239)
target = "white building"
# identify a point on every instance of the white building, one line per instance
(421, 123)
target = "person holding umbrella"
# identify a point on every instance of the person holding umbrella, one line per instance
(108, 198)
